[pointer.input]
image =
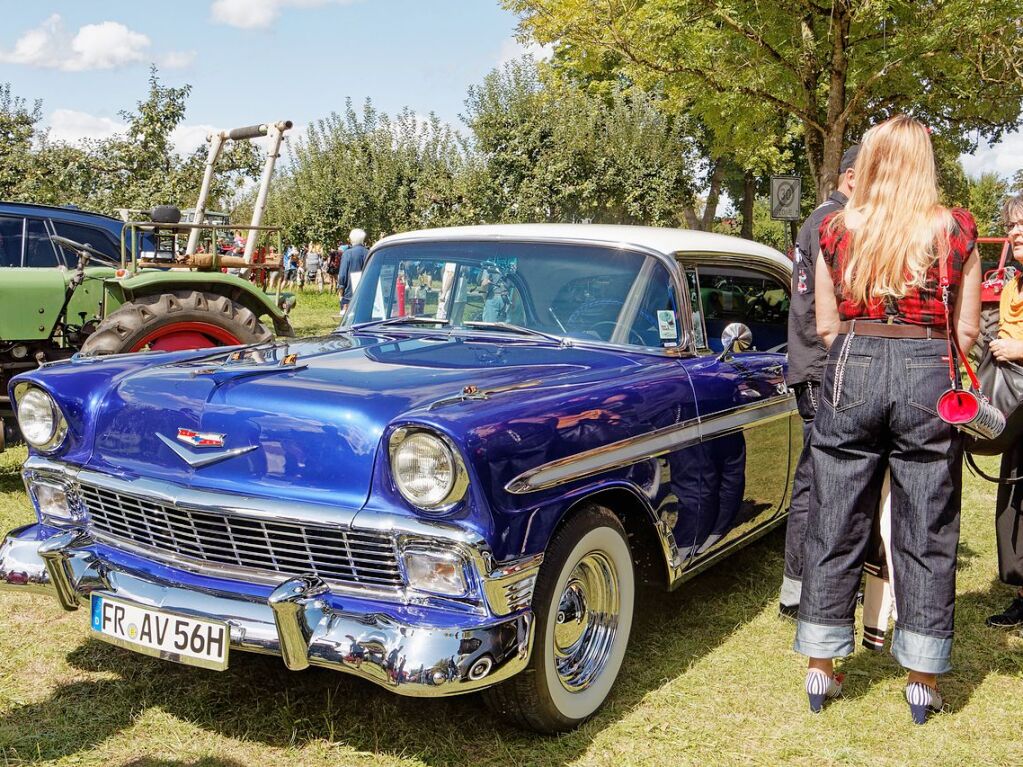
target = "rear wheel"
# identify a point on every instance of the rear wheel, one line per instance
(583, 604)
(176, 321)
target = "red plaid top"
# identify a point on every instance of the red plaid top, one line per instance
(921, 306)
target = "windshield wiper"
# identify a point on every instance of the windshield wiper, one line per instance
(513, 328)
(408, 319)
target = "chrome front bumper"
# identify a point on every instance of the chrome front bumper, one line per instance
(299, 620)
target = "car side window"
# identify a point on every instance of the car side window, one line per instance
(89, 235)
(39, 250)
(11, 237)
(736, 294)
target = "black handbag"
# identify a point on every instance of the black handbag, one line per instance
(1002, 383)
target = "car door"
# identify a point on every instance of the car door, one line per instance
(740, 470)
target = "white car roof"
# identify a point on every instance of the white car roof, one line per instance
(660, 239)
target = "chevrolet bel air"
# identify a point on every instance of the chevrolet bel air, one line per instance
(458, 490)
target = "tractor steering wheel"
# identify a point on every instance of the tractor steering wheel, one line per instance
(78, 247)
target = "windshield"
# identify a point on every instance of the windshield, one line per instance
(572, 291)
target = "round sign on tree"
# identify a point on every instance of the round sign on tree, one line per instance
(786, 192)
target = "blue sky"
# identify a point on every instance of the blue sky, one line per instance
(251, 61)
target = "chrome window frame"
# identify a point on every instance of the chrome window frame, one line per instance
(685, 343)
(749, 261)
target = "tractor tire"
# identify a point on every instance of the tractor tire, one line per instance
(174, 322)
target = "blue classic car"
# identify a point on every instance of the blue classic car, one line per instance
(458, 490)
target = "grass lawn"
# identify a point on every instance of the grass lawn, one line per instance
(710, 679)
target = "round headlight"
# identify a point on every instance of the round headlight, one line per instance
(41, 423)
(424, 469)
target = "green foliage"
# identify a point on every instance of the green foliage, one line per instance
(137, 169)
(18, 125)
(549, 150)
(756, 72)
(987, 193)
(365, 169)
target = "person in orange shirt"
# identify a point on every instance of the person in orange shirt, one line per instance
(1008, 347)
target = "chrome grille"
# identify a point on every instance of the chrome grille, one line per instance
(213, 538)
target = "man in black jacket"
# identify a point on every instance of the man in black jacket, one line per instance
(807, 354)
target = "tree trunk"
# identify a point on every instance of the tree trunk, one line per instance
(713, 195)
(748, 194)
(834, 127)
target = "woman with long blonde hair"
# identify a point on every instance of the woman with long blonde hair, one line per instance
(881, 311)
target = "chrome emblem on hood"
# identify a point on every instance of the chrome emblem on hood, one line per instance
(205, 458)
(200, 438)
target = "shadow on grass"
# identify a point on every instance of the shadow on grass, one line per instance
(210, 761)
(257, 699)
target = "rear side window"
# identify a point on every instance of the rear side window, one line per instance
(39, 250)
(11, 229)
(98, 238)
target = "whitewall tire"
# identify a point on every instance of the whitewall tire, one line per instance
(583, 605)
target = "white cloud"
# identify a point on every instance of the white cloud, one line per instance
(512, 48)
(1004, 158)
(259, 14)
(176, 59)
(106, 45)
(72, 127)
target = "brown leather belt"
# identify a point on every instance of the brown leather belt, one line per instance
(886, 330)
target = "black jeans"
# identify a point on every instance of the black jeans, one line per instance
(1009, 520)
(878, 399)
(807, 400)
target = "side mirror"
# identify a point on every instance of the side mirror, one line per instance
(736, 337)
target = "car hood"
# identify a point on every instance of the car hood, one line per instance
(311, 414)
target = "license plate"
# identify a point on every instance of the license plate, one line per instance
(179, 638)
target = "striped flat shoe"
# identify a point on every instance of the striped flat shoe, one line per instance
(923, 701)
(820, 687)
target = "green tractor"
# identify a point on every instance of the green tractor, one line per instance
(76, 282)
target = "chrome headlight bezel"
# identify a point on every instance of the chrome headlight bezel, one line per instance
(58, 429)
(453, 492)
(39, 484)
(414, 554)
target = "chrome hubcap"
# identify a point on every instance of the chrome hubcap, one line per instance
(587, 621)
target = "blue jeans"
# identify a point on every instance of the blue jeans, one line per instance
(877, 408)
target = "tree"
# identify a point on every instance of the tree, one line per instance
(549, 150)
(987, 193)
(753, 70)
(18, 127)
(136, 169)
(365, 169)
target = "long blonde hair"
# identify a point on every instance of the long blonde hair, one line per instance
(897, 227)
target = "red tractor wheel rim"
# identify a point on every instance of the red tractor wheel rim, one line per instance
(179, 336)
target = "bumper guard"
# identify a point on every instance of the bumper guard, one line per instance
(300, 620)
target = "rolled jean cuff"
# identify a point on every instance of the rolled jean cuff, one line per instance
(919, 652)
(791, 590)
(816, 641)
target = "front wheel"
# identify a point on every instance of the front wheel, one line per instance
(174, 322)
(583, 604)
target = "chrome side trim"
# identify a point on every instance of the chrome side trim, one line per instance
(632, 450)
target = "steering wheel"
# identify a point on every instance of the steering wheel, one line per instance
(578, 317)
(78, 247)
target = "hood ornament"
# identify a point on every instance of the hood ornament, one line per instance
(204, 441)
